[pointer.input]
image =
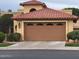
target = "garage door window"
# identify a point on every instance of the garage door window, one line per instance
(30, 24)
(19, 25)
(15, 27)
(40, 24)
(50, 24)
(59, 24)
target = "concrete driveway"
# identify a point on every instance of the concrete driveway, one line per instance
(38, 44)
(34, 45)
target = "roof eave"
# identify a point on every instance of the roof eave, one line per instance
(74, 19)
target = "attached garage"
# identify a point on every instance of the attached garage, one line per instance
(44, 25)
(54, 31)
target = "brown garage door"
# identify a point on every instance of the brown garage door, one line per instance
(44, 31)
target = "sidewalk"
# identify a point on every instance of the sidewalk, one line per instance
(56, 45)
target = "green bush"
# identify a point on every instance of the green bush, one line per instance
(2, 37)
(77, 35)
(14, 37)
(74, 35)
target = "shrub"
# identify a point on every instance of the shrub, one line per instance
(74, 35)
(2, 37)
(77, 33)
(71, 35)
(14, 37)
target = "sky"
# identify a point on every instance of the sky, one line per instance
(55, 4)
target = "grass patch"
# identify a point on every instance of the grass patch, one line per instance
(72, 44)
(5, 44)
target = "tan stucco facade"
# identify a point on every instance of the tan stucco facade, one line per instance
(67, 11)
(69, 26)
(27, 8)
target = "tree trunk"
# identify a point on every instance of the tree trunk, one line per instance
(9, 30)
(74, 41)
(77, 41)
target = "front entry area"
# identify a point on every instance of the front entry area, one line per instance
(40, 31)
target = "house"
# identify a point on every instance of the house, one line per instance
(3, 13)
(37, 22)
(75, 25)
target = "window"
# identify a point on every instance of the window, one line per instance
(33, 9)
(76, 28)
(59, 24)
(19, 25)
(50, 24)
(39, 24)
(15, 27)
(30, 24)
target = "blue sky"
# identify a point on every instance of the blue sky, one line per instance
(55, 4)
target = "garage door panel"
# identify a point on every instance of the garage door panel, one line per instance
(44, 33)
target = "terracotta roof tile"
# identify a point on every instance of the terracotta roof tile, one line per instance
(33, 2)
(46, 13)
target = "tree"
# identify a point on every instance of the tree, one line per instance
(9, 10)
(75, 11)
(6, 23)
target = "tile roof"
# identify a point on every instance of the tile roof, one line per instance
(45, 13)
(33, 2)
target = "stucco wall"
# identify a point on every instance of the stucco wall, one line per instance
(27, 8)
(19, 29)
(67, 11)
(69, 26)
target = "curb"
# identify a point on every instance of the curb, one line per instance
(75, 49)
